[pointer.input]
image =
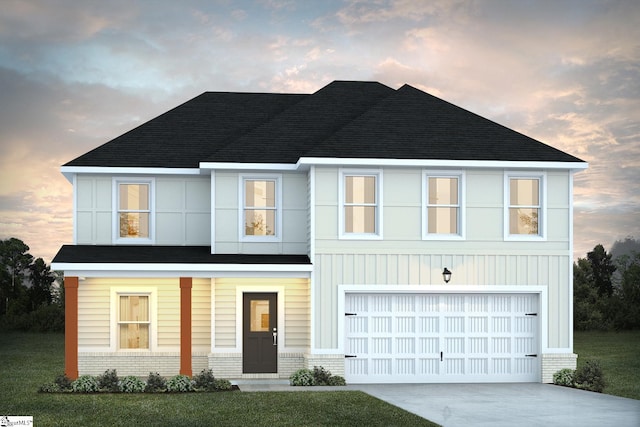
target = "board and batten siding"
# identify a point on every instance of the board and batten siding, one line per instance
(402, 257)
(294, 216)
(182, 210)
(296, 309)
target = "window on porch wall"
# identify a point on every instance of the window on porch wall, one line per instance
(133, 322)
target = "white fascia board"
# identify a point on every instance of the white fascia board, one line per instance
(69, 170)
(249, 166)
(181, 268)
(426, 163)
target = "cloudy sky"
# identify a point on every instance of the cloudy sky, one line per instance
(75, 74)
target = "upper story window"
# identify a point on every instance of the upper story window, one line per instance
(134, 211)
(133, 321)
(443, 208)
(360, 213)
(261, 211)
(524, 206)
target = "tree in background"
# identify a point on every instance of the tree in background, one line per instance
(27, 290)
(602, 269)
(606, 288)
(15, 260)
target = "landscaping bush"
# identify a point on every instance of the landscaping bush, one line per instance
(155, 383)
(49, 388)
(180, 384)
(63, 382)
(302, 377)
(590, 376)
(205, 380)
(132, 384)
(222, 385)
(564, 377)
(109, 381)
(321, 375)
(336, 380)
(85, 384)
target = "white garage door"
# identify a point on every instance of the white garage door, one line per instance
(400, 338)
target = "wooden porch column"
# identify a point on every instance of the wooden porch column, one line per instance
(185, 326)
(71, 327)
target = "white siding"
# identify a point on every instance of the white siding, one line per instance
(483, 258)
(182, 210)
(294, 217)
(93, 210)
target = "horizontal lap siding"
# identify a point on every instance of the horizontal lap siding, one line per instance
(93, 313)
(225, 313)
(201, 314)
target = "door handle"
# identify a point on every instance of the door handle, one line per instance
(275, 336)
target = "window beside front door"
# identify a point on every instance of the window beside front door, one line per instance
(133, 321)
(360, 213)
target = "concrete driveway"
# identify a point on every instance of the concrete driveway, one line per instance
(526, 404)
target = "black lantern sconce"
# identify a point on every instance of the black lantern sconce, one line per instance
(446, 275)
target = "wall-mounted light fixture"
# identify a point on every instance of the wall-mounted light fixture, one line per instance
(446, 275)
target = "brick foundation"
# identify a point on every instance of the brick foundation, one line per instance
(140, 364)
(553, 362)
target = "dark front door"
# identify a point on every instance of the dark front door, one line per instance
(260, 333)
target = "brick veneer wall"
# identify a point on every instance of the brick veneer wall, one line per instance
(552, 363)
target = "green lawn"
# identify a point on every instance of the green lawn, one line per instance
(619, 355)
(30, 360)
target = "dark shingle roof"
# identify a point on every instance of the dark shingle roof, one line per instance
(341, 120)
(142, 254)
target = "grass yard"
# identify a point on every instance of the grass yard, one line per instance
(618, 354)
(29, 360)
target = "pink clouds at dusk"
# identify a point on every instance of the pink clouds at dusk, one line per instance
(74, 75)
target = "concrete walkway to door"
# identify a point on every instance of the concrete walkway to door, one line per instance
(495, 405)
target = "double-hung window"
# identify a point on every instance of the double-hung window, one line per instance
(360, 213)
(524, 206)
(443, 207)
(261, 216)
(133, 321)
(133, 222)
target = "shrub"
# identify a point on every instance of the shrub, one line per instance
(564, 377)
(205, 380)
(320, 375)
(302, 377)
(336, 380)
(63, 382)
(155, 383)
(180, 384)
(109, 381)
(590, 376)
(222, 385)
(85, 384)
(132, 384)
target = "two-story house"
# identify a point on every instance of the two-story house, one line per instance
(259, 233)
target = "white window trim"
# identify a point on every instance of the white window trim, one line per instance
(115, 194)
(116, 292)
(426, 174)
(241, 198)
(542, 220)
(379, 220)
